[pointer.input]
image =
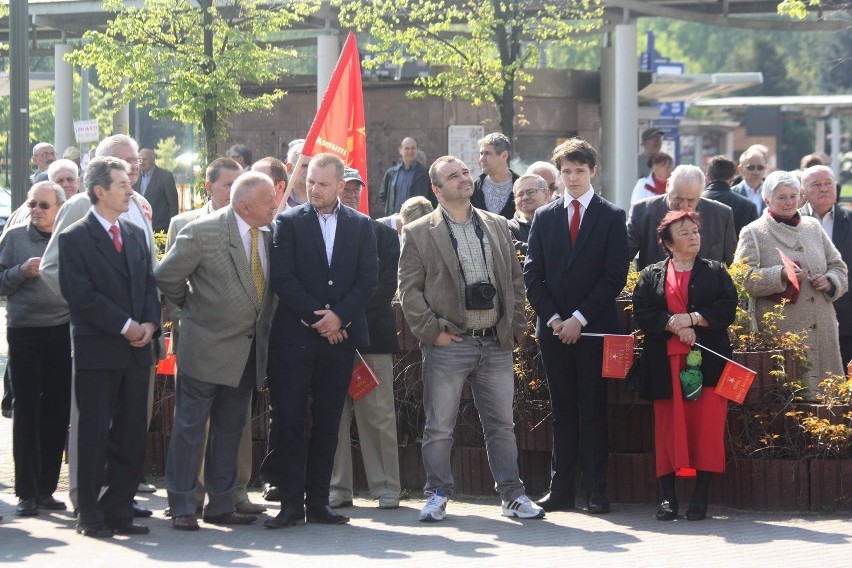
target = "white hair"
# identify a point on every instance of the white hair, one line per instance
(245, 184)
(813, 170)
(776, 178)
(686, 174)
(61, 164)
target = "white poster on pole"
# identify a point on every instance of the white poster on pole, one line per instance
(86, 131)
(463, 143)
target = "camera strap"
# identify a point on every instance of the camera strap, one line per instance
(480, 234)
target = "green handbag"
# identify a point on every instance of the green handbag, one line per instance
(691, 378)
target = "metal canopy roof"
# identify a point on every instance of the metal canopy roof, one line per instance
(670, 88)
(818, 106)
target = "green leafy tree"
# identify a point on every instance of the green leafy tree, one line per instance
(193, 54)
(479, 51)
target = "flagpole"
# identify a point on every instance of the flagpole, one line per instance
(289, 189)
(722, 356)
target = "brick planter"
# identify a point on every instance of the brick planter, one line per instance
(830, 485)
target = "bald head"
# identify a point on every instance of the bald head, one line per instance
(408, 150)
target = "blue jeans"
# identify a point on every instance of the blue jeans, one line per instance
(489, 370)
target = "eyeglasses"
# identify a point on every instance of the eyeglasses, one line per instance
(755, 167)
(527, 192)
(44, 205)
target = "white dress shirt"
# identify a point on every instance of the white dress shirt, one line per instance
(328, 227)
(245, 234)
(584, 200)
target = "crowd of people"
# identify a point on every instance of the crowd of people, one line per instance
(279, 281)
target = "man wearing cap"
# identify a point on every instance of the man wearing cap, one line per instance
(374, 413)
(652, 142)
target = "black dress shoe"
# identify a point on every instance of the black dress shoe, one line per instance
(141, 513)
(271, 492)
(696, 512)
(326, 516)
(127, 528)
(94, 531)
(553, 502)
(667, 511)
(288, 517)
(48, 502)
(597, 504)
(27, 507)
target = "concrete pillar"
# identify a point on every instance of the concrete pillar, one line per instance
(619, 114)
(819, 135)
(19, 105)
(328, 51)
(698, 150)
(835, 145)
(63, 99)
(729, 145)
(84, 103)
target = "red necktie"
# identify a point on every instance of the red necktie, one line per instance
(116, 241)
(575, 221)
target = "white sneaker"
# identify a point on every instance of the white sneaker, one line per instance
(522, 508)
(435, 509)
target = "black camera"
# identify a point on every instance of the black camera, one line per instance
(479, 296)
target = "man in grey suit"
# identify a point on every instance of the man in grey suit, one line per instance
(217, 273)
(159, 188)
(821, 192)
(718, 237)
(219, 178)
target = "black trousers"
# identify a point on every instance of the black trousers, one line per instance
(40, 371)
(578, 401)
(846, 350)
(112, 433)
(322, 371)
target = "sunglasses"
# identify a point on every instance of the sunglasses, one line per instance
(44, 205)
(755, 167)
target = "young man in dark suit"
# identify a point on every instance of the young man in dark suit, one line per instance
(324, 269)
(105, 275)
(576, 265)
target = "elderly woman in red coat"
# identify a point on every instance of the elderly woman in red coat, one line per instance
(679, 302)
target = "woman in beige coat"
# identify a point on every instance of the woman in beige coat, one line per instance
(820, 271)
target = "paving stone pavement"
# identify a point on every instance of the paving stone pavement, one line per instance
(474, 534)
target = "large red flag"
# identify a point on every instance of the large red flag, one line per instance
(338, 127)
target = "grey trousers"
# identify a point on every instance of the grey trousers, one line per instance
(226, 408)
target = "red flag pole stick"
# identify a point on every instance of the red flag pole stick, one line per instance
(722, 356)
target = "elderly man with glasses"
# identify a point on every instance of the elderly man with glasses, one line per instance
(531, 191)
(753, 167)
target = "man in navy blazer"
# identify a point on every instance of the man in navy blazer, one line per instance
(576, 265)
(158, 187)
(324, 268)
(105, 275)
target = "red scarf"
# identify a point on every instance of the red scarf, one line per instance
(658, 187)
(792, 221)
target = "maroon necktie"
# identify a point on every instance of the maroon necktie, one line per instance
(575, 221)
(116, 241)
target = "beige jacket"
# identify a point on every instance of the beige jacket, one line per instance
(429, 279)
(813, 312)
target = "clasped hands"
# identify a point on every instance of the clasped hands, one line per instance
(330, 326)
(568, 331)
(681, 325)
(139, 334)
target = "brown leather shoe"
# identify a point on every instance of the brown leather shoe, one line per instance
(185, 523)
(232, 518)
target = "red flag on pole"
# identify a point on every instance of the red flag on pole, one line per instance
(364, 380)
(339, 126)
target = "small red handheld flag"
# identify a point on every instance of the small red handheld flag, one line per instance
(789, 268)
(364, 380)
(734, 382)
(617, 356)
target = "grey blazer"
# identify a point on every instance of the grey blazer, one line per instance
(207, 274)
(429, 279)
(718, 235)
